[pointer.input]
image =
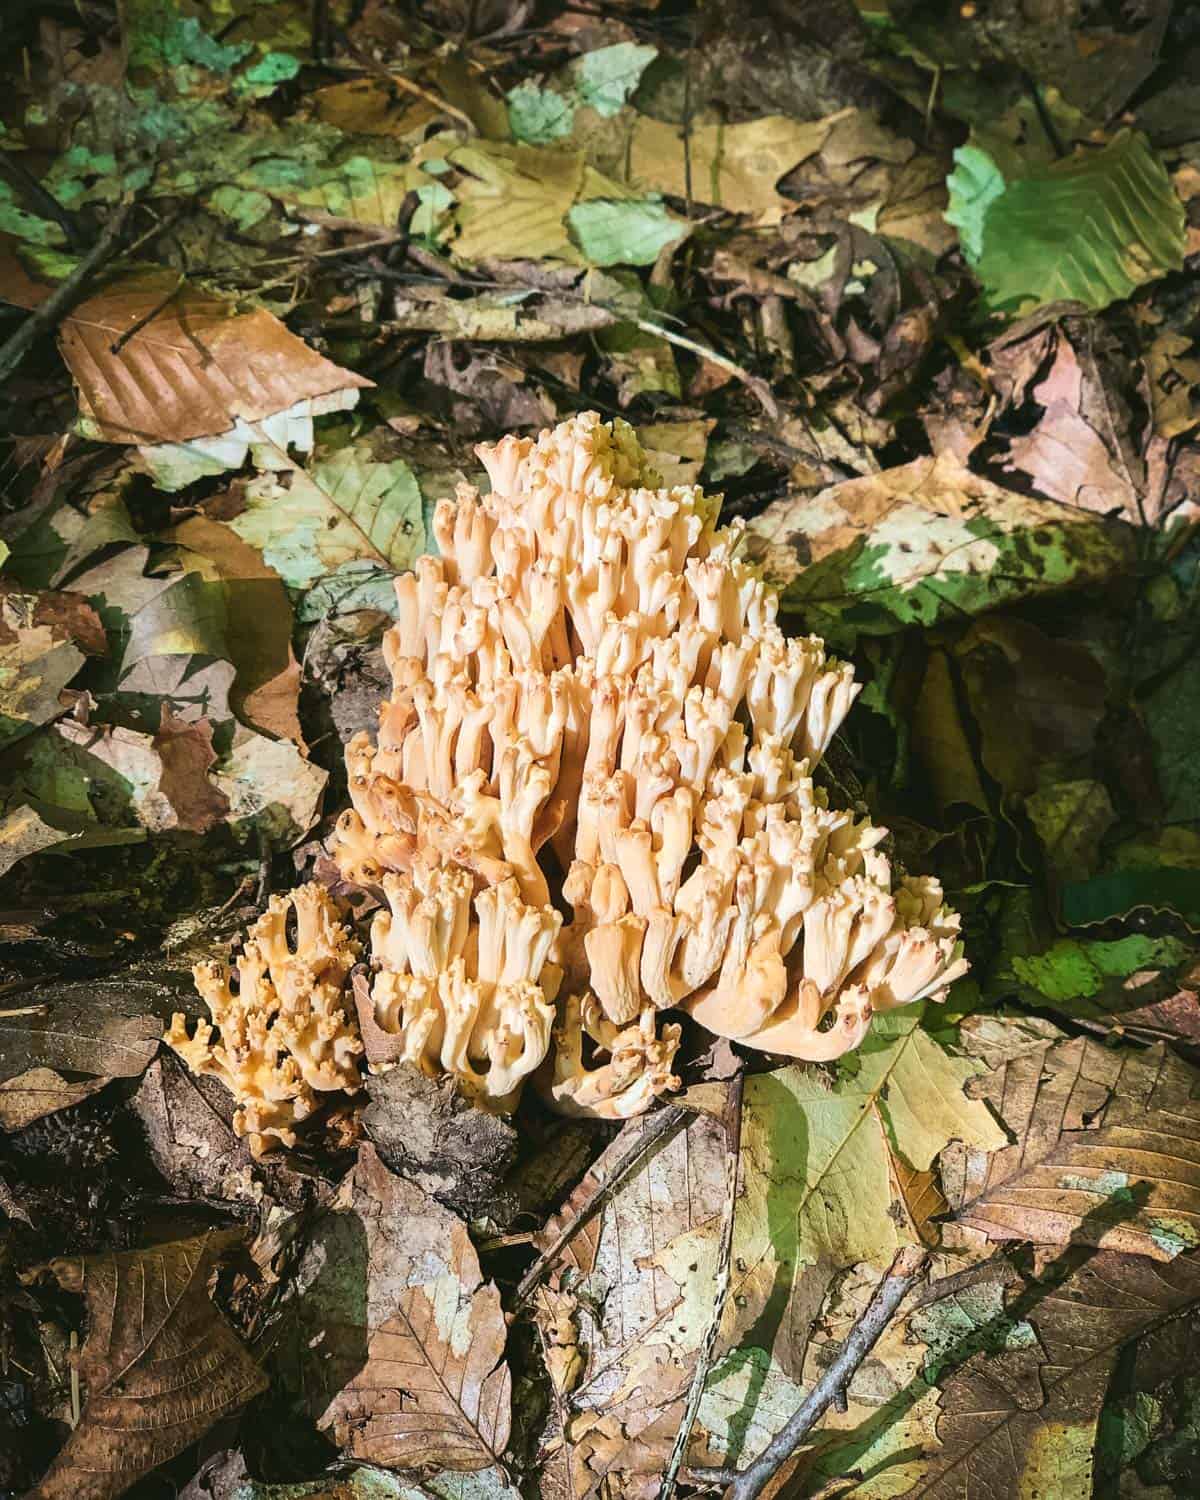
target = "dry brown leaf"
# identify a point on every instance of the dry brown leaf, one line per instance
(185, 748)
(941, 740)
(513, 201)
(1106, 1151)
(422, 1342)
(192, 368)
(266, 691)
(160, 1365)
(1022, 1421)
(735, 167)
(921, 1196)
(39, 1092)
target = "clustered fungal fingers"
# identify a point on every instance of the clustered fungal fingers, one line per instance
(282, 1035)
(462, 982)
(594, 710)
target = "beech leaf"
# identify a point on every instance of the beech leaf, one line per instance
(1090, 228)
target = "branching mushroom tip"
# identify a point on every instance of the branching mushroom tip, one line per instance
(282, 1032)
(594, 711)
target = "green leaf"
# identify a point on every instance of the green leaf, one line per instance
(538, 116)
(347, 506)
(1073, 970)
(1090, 228)
(609, 75)
(1120, 892)
(974, 186)
(630, 233)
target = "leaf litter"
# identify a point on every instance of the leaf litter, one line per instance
(927, 321)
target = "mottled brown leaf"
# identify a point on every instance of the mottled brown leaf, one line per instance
(1022, 1422)
(160, 1365)
(407, 1369)
(1106, 1151)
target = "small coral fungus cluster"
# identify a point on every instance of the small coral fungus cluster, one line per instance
(589, 802)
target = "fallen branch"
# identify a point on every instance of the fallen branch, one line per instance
(64, 296)
(891, 1291)
(657, 1128)
(733, 1148)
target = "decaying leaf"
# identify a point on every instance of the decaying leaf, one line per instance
(820, 1167)
(309, 521)
(1105, 1151)
(924, 542)
(399, 1340)
(160, 1365)
(1022, 1420)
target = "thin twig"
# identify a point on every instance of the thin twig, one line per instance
(658, 1127)
(733, 1151)
(903, 1272)
(64, 296)
(147, 317)
(757, 387)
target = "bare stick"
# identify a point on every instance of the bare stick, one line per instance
(64, 297)
(757, 387)
(891, 1291)
(733, 1149)
(657, 1128)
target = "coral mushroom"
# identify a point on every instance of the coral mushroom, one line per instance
(285, 1035)
(594, 708)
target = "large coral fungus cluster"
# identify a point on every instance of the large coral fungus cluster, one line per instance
(594, 712)
(285, 1035)
(594, 707)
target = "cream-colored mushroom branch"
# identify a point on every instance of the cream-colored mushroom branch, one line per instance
(594, 711)
(285, 1035)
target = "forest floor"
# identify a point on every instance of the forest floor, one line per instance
(914, 287)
